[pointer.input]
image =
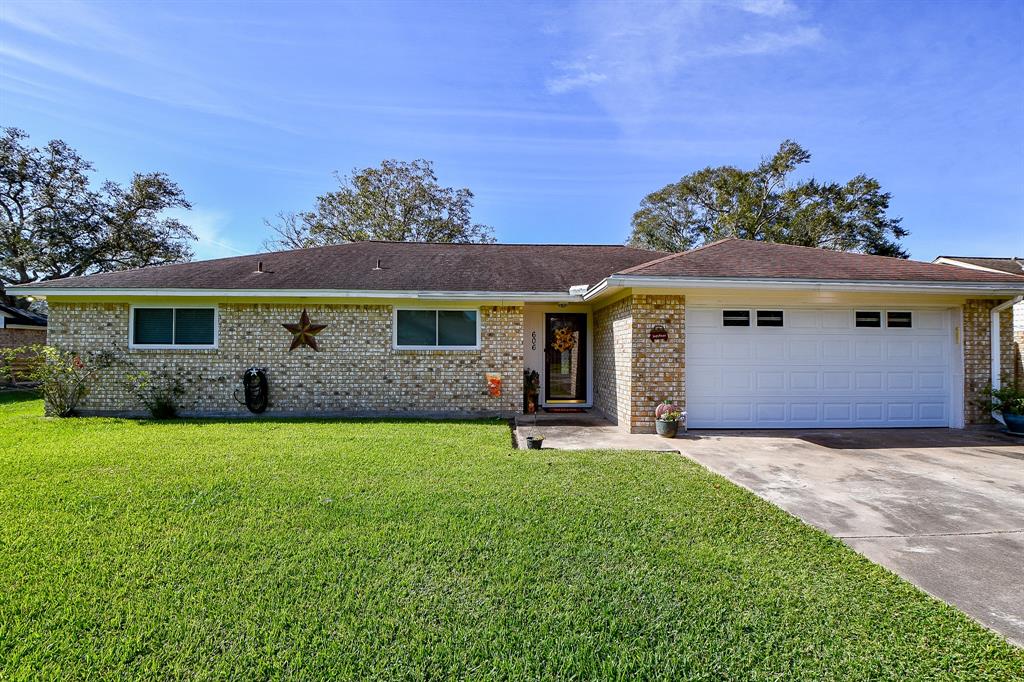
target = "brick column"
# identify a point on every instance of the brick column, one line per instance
(977, 339)
(658, 367)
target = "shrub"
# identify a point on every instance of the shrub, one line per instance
(1007, 400)
(159, 392)
(64, 378)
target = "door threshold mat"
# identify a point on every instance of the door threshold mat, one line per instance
(565, 410)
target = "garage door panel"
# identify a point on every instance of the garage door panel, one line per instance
(804, 351)
(835, 350)
(900, 381)
(819, 370)
(804, 380)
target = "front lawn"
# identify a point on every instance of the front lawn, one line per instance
(408, 549)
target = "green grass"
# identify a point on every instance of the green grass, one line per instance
(412, 550)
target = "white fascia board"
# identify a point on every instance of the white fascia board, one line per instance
(943, 260)
(79, 292)
(966, 288)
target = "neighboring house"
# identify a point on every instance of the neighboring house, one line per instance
(20, 327)
(744, 334)
(1014, 266)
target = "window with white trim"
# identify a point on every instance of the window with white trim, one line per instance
(868, 318)
(735, 318)
(169, 327)
(426, 329)
(769, 318)
(899, 320)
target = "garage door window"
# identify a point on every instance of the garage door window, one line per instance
(769, 318)
(735, 318)
(898, 320)
(869, 318)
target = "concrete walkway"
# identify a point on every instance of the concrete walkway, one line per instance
(586, 431)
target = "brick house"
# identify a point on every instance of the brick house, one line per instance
(744, 334)
(20, 327)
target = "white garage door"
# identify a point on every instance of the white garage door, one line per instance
(798, 368)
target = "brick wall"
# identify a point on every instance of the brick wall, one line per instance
(357, 371)
(12, 338)
(658, 366)
(632, 374)
(977, 340)
(613, 359)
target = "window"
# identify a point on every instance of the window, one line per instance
(769, 318)
(735, 318)
(898, 320)
(425, 329)
(868, 318)
(173, 328)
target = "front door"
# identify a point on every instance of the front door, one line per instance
(565, 358)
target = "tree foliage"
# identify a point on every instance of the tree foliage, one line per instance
(54, 224)
(763, 204)
(397, 201)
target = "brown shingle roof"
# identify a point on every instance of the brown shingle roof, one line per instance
(742, 258)
(404, 267)
(1012, 265)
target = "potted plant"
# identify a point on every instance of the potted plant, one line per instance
(1008, 401)
(666, 419)
(534, 442)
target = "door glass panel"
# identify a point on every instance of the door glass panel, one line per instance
(566, 357)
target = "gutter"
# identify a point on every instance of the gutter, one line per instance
(79, 292)
(652, 281)
(994, 337)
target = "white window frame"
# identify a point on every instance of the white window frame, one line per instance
(899, 310)
(755, 323)
(173, 346)
(394, 329)
(751, 318)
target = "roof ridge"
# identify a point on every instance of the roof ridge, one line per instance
(677, 254)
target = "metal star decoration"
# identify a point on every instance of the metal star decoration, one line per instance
(304, 333)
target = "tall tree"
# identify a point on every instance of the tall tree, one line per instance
(53, 224)
(763, 204)
(397, 201)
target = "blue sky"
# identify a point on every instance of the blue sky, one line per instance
(560, 117)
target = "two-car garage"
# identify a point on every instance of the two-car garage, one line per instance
(792, 367)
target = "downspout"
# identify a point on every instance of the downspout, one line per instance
(997, 374)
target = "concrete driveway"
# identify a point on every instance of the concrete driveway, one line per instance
(942, 508)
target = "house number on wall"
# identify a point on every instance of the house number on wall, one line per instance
(533, 341)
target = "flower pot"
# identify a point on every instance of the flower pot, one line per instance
(667, 429)
(1014, 423)
(534, 443)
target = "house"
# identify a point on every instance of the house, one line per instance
(20, 327)
(745, 334)
(1014, 266)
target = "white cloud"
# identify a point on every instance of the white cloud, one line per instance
(208, 226)
(573, 76)
(630, 55)
(768, 8)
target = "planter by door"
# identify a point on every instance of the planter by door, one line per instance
(565, 358)
(1014, 423)
(667, 429)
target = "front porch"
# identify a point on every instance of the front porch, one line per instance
(588, 430)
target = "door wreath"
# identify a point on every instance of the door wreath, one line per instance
(565, 339)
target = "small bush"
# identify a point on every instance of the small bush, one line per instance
(159, 392)
(64, 378)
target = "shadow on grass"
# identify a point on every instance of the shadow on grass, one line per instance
(404, 421)
(17, 395)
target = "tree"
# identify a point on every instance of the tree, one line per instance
(54, 225)
(399, 201)
(761, 204)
